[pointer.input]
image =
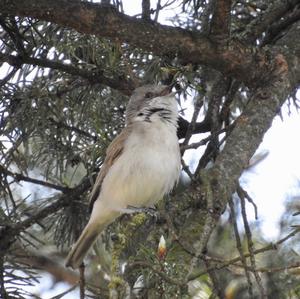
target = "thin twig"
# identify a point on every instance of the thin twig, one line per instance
(125, 86)
(191, 126)
(10, 193)
(187, 170)
(239, 247)
(61, 124)
(158, 272)
(250, 200)
(272, 269)
(272, 246)
(251, 248)
(203, 141)
(8, 76)
(19, 177)
(65, 293)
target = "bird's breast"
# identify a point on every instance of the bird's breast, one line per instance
(147, 169)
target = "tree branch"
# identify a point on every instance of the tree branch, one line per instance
(183, 126)
(121, 84)
(240, 249)
(272, 246)
(249, 130)
(146, 13)
(275, 30)
(220, 23)
(20, 177)
(217, 184)
(271, 15)
(9, 233)
(105, 21)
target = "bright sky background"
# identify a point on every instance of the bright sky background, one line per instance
(269, 183)
(277, 177)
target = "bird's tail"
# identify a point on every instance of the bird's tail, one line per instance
(89, 235)
(81, 247)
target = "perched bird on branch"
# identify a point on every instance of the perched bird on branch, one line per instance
(142, 164)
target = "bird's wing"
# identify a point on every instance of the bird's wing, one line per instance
(113, 152)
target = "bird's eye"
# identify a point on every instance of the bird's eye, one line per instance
(149, 95)
(140, 114)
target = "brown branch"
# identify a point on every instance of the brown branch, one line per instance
(271, 15)
(239, 247)
(220, 23)
(251, 246)
(123, 85)
(278, 269)
(272, 246)
(248, 132)
(192, 124)
(230, 96)
(146, 13)
(218, 183)
(219, 89)
(204, 141)
(19, 177)
(187, 170)
(9, 233)
(183, 125)
(105, 21)
(274, 30)
(61, 124)
(262, 269)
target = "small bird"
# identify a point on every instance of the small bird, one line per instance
(142, 164)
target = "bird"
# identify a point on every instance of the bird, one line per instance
(142, 164)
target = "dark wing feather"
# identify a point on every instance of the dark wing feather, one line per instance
(113, 152)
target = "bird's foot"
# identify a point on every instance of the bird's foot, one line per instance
(147, 210)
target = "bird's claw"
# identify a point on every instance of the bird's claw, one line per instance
(147, 210)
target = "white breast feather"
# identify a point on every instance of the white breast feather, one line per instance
(151, 168)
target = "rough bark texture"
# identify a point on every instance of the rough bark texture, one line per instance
(238, 60)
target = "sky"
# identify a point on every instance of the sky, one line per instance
(277, 177)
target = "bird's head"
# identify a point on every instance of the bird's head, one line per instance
(151, 103)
